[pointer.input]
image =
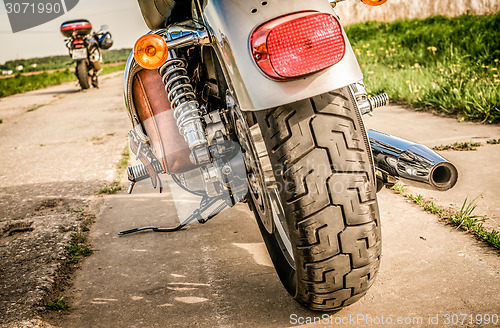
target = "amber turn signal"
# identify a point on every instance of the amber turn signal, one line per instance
(151, 51)
(374, 2)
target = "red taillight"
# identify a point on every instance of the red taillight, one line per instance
(78, 43)
(298, 44)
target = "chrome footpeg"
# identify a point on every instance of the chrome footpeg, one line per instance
(374, 102)
(139, 172)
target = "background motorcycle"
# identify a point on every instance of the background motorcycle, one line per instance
(85, 49)
(262, 101)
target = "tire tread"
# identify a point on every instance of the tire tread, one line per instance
(329, 196)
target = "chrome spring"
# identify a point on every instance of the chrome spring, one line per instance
(379, 101)
(180, 92)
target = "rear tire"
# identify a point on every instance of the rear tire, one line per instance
(322, 163)
(82, 72)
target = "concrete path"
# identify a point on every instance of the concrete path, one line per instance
(219, 274)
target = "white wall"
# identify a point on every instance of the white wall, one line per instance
(353, 11)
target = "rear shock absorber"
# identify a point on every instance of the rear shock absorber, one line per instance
(186, 109)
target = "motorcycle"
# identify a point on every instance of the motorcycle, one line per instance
(85, 49)
(262, 102)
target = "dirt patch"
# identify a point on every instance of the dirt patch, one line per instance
(20, 202)
(34, 264)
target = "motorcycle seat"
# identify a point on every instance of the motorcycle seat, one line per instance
(159, 14)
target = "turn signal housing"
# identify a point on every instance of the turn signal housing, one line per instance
(151, 51)
(374, 2)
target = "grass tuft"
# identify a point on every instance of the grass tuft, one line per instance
(58, 305)
(116, 186)
(77, 247)
(111, 188)
(34, 108)
(462, 219)
(123, 163)
(461, 146)
(490, 142)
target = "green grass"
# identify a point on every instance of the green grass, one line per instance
(22, 83)
(111, 188)
(491, 141)
(79, 238)
(61, 61)
(462, 219)
(461, 146)
(78, 247)
(58, 305)
(448, 64)
(112, 68)
(123, 163)
(116, 186)
(77, 250)
(34, 108)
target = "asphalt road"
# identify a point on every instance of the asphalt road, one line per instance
(219, 275)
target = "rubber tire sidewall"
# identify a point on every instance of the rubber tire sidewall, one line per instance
(355, 278)
(82, 73)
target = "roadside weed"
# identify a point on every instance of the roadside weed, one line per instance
(461, 146)
(77, 247)
(462, 219)
(111, 188)
(34, 108)
(116, 186)
(58, 305)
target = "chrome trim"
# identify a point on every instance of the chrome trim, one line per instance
(416, 164)
(192, 38)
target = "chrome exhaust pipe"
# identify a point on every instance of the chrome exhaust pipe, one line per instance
(416, 164)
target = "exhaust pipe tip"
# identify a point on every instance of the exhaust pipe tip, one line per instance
(443, 176)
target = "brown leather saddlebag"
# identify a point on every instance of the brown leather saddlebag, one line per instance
(157, 117)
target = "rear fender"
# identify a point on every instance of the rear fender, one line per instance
(231, 23)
